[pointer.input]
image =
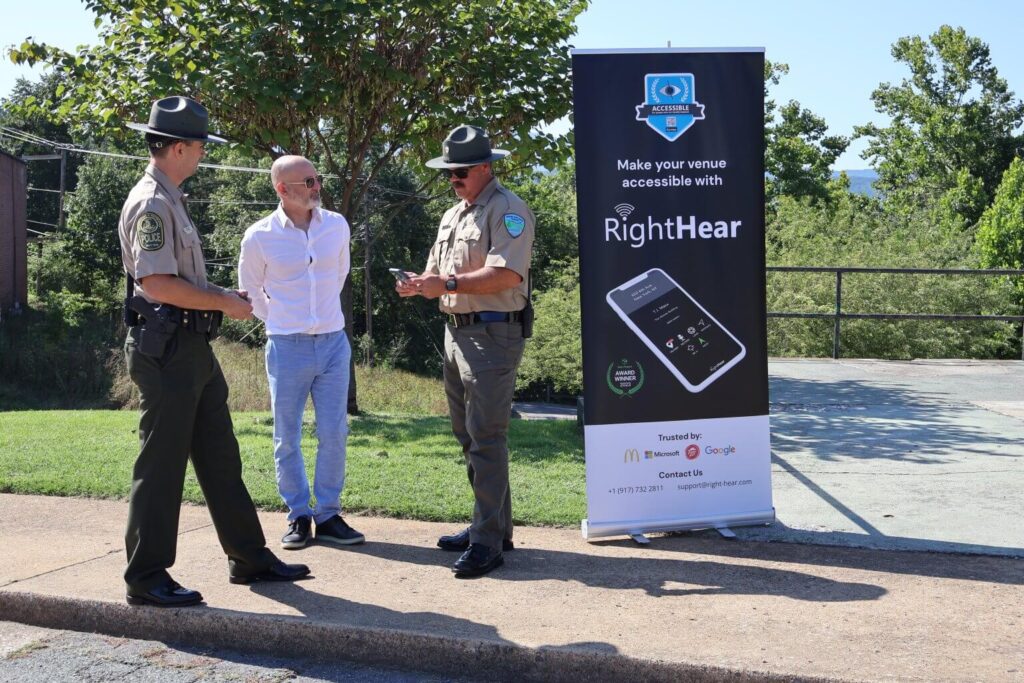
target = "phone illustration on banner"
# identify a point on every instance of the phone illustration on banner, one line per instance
(692, 344)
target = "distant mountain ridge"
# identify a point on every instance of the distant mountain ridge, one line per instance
(860, 180)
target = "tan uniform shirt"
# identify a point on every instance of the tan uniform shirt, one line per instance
(495, 230)
(157, 234)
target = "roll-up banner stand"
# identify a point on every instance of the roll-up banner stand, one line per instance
(670, 192)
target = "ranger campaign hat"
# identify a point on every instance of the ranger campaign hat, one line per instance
(180, 118)
(466, 146)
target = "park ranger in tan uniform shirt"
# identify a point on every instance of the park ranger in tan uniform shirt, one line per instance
(479, 269)
(157, 235)
(172, 313)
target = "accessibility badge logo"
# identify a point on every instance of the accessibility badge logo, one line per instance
(669, 107)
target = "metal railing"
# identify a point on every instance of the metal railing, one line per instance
(838, 315)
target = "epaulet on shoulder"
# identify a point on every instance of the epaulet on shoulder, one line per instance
(507, 195)
(150, 201)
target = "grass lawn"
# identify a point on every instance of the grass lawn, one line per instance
(398, 466)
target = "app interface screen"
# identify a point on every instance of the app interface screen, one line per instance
(694, 343)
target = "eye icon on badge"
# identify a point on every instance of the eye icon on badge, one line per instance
(671, 343)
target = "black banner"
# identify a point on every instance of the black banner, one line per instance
(670, 191)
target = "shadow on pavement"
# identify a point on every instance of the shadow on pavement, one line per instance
(657, 577)
(327, 608)
(1003, 570)
(875, 423)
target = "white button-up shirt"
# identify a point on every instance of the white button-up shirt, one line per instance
(294, 277)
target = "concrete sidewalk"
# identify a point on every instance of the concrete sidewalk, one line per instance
(883, 458)
(918, 455)
(687, 607)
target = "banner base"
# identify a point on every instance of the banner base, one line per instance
(593, 530)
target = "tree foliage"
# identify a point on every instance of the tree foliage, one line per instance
(798, 154)
(1000, 237)
(361, 80)
(18, 111)
(857, 231)
(953, 126)
(554, 354)
(552, 198)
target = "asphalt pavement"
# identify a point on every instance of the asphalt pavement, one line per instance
(896, 555)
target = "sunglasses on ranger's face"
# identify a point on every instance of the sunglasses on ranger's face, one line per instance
(310, 182)
(460, 173)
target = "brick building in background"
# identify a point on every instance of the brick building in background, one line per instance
(13, 246)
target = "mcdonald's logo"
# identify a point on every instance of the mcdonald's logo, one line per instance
(631, 455)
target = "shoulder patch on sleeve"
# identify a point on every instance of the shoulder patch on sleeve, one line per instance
(515, 224)
(150, 231)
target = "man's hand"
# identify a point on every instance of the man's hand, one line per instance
(170, 289)
(236, 306)
(427, 285)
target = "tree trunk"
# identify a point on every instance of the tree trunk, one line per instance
(346, 309)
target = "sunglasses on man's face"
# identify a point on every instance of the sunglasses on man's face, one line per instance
(310, 182)
(460, 173)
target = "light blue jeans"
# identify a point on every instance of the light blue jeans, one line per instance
(300, 366)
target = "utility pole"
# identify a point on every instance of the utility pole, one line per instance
(60, 205)
(368, 294)
(60, 210)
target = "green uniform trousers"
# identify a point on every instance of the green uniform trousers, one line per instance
(480, 363)
(184, 414)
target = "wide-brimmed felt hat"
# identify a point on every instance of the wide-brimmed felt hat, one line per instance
(466, 146)
(180, 118)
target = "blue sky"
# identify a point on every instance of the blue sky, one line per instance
(837, 52)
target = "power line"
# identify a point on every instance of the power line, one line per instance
(34, 139)
(231, 201)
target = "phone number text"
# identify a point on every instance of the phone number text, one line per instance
(631, 490)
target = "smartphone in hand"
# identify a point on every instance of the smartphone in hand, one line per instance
(399, 274)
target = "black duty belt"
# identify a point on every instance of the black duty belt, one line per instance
(203, 322)
(464, 319)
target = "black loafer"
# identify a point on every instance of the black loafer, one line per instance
(460, 542)
(279, 571)
(477, 561)
(170, 594)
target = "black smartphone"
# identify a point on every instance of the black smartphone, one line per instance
(691, 343)
(399, 274)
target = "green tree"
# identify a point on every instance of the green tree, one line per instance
(798, 154)
(856, 231)
(363, 80)
(554, 355)
(1000, 238)
(952, 130)
(552, 198)
(19, 113)
(357, 83)
(85, 258)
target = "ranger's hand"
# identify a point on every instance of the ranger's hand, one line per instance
(236, 307)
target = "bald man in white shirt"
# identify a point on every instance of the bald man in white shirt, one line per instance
(294, 263)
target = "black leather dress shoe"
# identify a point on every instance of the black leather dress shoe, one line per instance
(477, 561)
(460, 542)
(279, 571)
(170, 594)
